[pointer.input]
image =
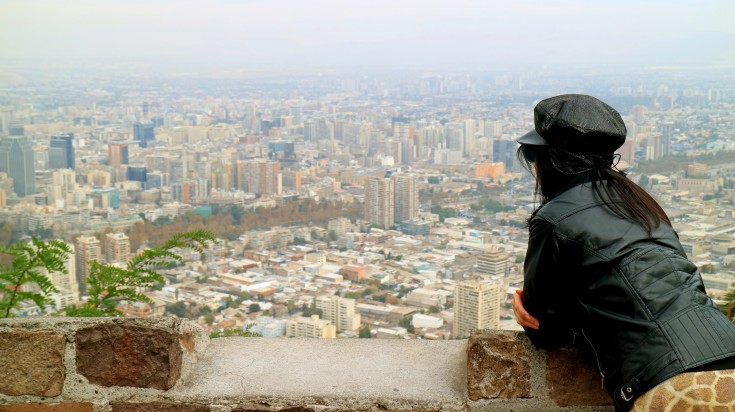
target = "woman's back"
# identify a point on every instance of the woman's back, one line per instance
(634, 297)
(604, 261)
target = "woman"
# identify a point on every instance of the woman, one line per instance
(604, 266)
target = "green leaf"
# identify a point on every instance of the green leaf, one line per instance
(23, 279)
(108, 285)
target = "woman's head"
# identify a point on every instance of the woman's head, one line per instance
(576, 123)
(554, 167)
(577, 135)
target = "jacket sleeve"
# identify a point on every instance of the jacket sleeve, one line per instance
(546, 294)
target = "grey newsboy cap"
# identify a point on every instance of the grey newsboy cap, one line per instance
(576, 123)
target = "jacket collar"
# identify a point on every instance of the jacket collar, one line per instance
(575, 180)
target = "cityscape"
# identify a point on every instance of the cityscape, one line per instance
(346, 204)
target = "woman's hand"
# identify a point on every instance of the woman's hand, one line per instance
(522, 317)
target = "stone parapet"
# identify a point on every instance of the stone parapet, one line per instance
(169, 364)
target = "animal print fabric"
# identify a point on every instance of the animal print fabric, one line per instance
(691, 392)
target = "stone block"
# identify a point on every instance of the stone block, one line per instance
(123, 355)
(573, 380)
(498, 366)
(32, 363)
(48, 407)
(157, 407)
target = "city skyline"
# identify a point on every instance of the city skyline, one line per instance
(332, 34)
(291, 172)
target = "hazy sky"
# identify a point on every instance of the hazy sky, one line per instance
(388, 33)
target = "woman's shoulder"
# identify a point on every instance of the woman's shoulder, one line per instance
(568, 202)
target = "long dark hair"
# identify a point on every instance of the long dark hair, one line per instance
(634, 202)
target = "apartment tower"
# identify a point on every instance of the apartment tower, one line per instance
(494, 263)
(476, 306)
(340, 311)
(61, 152)
(379, 202)
(117, 153)
(87, 250)
(406, 197)
(117, 248)
(16, 159)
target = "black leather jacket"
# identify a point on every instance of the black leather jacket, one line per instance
(634, 298)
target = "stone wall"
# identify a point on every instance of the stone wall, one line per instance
(168, 364)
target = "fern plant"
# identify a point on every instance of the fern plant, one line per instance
(31, 261)
(107, 284)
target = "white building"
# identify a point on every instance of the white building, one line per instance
(424, 298)
(340, 311)
(312, 327)
(426, 321)
(268, 327)
(476, 306)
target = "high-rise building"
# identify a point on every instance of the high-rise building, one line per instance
(16, 129)
(638, 113)
(203, 169)
(340, 311)
(494, 262)
(407, 151)
(476, 306)
(264, 177)
(627, 151)
(281, 149)
(312, 327)
(494, 128)
(61, 152)
(6, 116)
(393, 149)
(183, 192)
(157, 180)
(63, 185)
(143, 133)
(504, 150)
(138, 173)
(179, 171)
(379, 201)
(16, 159)
(65, 281)
(468, 134)
(160, 162)
(406, 197)
(297, 113)
(99, 177)
(240, 175)
(117, 248)
(667, 129)
(117, 153)
(455, 136)
(291, 179)
(654, 146)
(87, 250)
(402, 128)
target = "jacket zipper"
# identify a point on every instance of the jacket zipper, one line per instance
(597, 360)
